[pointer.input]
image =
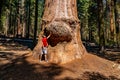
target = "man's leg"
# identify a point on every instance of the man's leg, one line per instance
(45, 52)
(46, 58)
(40, 56)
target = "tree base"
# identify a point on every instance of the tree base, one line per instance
(65, 52)
(63, 48)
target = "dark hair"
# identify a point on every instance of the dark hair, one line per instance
(43, 36)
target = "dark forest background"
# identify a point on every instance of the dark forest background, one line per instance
(99, 21)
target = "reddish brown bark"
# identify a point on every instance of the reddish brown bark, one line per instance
(60, 19)
(112, 20)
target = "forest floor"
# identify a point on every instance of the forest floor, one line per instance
(17, 63)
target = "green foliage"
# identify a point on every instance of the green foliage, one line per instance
(93, 20)
(3, 22)
(83, 6)
(40, 13)
(87, 13)
(9, 9)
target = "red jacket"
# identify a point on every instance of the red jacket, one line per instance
(44, 41)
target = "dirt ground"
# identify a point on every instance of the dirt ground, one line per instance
(17, 63)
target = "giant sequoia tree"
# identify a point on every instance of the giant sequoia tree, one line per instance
(61, 20)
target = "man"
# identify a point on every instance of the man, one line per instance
(44, 47)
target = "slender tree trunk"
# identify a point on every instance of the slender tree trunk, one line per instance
(61, 20)
(1, 5)
(117, 20)
(0, 13)
(18, 20)
(10, 18)
(101, 26)
(107, 29)
(29, 20)
(23, 18)
(84, 28)
(36, 21)
(90, 34)
(6, 23)
(14, 25)
(112, 20)
(118, 33)
(19, 29)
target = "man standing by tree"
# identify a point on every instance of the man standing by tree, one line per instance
(44, 47)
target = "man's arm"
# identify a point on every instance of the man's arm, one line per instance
(49, 35)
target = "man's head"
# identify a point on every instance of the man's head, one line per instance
(43, 36)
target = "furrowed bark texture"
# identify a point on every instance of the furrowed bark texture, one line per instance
(60, 19)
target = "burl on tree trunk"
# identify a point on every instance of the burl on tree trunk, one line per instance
(60, 19)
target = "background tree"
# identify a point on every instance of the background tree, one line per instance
(117, 21)
(28, 18)
(112, 20)
(16, 13)
(101, 25)
(36, 20)
(83, 14)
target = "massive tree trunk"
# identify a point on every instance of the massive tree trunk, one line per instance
(60, 18)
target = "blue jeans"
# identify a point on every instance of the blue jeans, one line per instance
(44, 50)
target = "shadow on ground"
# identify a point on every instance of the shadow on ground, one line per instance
(6, 41)
(97, 76)
(112, 54)
(18, 67)
(21, 69)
